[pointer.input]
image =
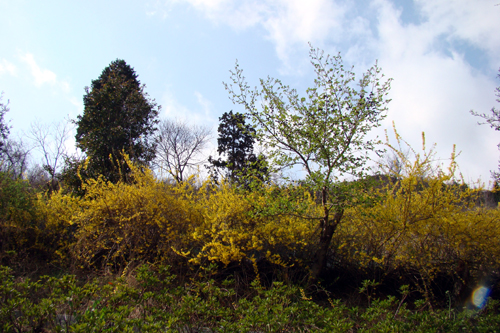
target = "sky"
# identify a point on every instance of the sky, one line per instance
(443, 57)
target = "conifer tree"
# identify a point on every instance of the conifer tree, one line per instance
(118, 117)
(236, 142)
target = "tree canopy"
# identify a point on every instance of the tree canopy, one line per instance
(323, 132)
(118, 117)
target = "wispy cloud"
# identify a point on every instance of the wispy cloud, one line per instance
(435, 85)
(474, 21)
(43, 76)
(159, 7)
(205, 104)
(7, 67)
(78, 103)
(290, 24)
(436, 81)
(40, 75)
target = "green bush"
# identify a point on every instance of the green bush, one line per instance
(17, 211)
(151, 299)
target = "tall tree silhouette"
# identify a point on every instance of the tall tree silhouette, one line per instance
(236, 142)
(118, 117)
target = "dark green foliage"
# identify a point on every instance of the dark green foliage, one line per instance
(152, 299)
(118, 117)
(69, 176)
(15, 198)
(236, 141)
(16, 215)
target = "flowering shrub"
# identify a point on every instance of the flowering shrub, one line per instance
(426, 222)
(239, 225)
(422, 221)
(117, 224)
(123, 222)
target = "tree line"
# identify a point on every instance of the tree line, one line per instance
(324, 133)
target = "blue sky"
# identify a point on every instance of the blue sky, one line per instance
(443, 56)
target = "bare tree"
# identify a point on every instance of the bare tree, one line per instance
(4, 128)
(14, 158)
(50, 140)
(180, 147)
(493, 120)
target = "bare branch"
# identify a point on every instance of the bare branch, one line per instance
(50, 140)
(180, 147)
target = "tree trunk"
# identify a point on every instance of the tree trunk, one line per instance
(328, 227)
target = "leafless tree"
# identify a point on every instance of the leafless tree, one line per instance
(14, 158)
(4, 128)
(180, 147)
(493, 120)
(50, 140)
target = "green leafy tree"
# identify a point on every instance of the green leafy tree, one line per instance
(493, 120)
(236, 142)
(118, 118)
(324, 132)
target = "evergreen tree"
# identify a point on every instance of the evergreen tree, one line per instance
(236, 141)
(118, 117)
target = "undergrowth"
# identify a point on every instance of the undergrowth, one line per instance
(152, 299)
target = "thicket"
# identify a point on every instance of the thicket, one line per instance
(419, 240)
(410, 248)
(153, 300)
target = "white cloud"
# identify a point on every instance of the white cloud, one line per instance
(40, 75)
(433, 91)
(205, 104)
(474, 21)
(7, 67)
(290, 24)
(159, 8)
(172, 108)
(78, 103)
(435, 84)
(43, 76)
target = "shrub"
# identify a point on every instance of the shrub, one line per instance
(251, 225)
(17, 213)
(139, 220)
(426, 223)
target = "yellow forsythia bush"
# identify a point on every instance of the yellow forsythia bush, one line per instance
(116, 224)
(120, 223)
(424, 221)
(238, 225)
(56, 213)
